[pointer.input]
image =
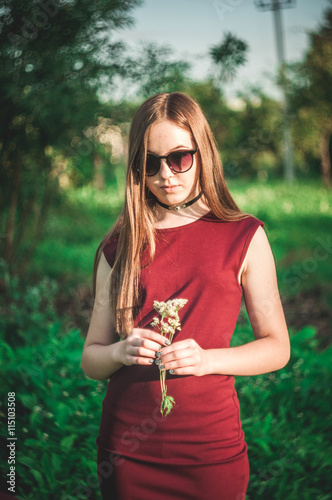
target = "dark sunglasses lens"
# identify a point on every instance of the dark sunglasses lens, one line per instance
(180, 161)
(152, 165)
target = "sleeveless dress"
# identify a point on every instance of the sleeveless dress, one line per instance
(198, 451)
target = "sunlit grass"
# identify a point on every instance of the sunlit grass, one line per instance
(298, 222)
(283, 201)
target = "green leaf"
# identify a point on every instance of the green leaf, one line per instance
(166, 405)
(267, 423)
(307, 333)
(37, 475)
(68, 441)
(33, 443)
(29, 462)
(263, 444)
(5, 347)
(28, 400)
(56, 462)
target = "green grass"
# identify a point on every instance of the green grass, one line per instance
(298, 218)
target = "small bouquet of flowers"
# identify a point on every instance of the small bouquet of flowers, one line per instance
(167, 326)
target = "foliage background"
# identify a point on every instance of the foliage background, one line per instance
(63, 143)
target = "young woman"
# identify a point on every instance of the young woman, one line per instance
(180, 235)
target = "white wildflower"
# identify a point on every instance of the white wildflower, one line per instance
(161, 308)
(155, 322)
(169, 308)
(166, 328)
(175, 323)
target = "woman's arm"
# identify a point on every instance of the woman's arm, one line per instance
(102, 353)
(269, 351)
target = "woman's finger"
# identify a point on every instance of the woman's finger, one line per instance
(141, 351)
(180, 345)
(181, 363)
(176, 355)
(185, 370)
(136, 356)
(141, 360)
(147, 344)
(150, 335)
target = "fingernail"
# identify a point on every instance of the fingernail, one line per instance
(171, 372)
(158, 354)
(161, 367)
(167, 342)
(158, 361)
(150, 361)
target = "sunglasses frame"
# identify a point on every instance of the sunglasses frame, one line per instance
(192, 152)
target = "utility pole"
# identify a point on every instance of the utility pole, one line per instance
(276, 6)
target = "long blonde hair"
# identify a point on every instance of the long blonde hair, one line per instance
(135, 226)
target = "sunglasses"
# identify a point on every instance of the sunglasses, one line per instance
(178, 161)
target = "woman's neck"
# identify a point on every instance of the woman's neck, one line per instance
(175, 218)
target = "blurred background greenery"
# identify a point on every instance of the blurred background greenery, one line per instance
(65, 115)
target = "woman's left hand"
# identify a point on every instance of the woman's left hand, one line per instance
(185, 357)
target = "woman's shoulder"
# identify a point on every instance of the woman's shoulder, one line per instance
(241, 221)
(235, 233)
(250, 222)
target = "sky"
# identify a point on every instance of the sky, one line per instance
(191, 27)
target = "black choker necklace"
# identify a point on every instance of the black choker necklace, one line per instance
(178, 207)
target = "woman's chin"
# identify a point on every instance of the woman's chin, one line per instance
(172, 200)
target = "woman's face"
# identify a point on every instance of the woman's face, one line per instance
(170, 187)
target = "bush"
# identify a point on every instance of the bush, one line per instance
(287, 423)
(27, 312)
(57, 407)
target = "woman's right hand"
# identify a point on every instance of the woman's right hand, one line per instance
(140, 347)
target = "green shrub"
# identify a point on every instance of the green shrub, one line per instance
(58, 408)
(287, 423)
(26, 311)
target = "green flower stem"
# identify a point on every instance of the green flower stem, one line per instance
(167, 325)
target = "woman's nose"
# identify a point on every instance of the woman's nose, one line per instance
(165, 172)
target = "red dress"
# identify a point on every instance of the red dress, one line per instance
(198, 451)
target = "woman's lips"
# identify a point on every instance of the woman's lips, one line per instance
(169, 189)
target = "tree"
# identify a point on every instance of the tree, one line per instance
(154, 70)
(221, 120)
(55, 57)
(228, 56)
(258, 130)
(309, 86)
